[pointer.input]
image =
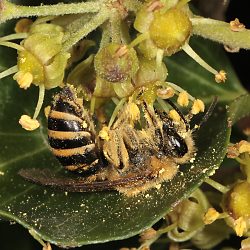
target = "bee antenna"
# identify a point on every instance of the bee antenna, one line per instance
(207, 115)
(179, 113)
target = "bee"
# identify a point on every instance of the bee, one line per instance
(136, 153)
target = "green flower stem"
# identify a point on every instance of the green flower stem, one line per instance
(116, 111)
(125, 36)
(161, 231)
(12, 45)
(220, 31)
(96, 21)
(115, 24)
(13, 37)
(76, 25)
(187, 48)
(105, 36)
(9, 71)
(139, 39)
(166, 229)
(217, 186)
(10, 10)
(40, 101)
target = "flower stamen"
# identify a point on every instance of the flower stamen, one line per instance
(40, 101)
(24, 79)
(9, 71)
(236, 25)
(219, 76)
(28, 123)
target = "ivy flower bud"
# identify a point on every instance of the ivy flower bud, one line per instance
(116, 63)
(170, 30)
(42, 56)
(150, 72)
(237, 204)
(28, 123)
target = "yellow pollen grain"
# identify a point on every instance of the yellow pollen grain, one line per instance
(236, 25)
(46, 111)
(84, 124)
(28, 123)
(240, 226)
(134, 112)
(24, 79)
(244, 147)
(174, 115)
(210, 216)
(221, 76)
(103, 134)
(197, 107)
(183, 99)
(165, 93)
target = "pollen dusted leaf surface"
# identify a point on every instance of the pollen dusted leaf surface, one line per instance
(75, 219)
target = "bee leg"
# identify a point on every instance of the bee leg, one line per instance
(189, 116)
(123, 153)
(111, 149)
(151, 117)
(130, 137)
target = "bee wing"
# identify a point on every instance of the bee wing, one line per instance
(46, 177)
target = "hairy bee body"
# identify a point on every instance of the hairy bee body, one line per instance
(71, 134)
(139, 152)
(155, 150)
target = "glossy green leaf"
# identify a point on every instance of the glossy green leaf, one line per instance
(74, 219)
(239, 109)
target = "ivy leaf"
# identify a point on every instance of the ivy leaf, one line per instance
(238, 109)
(75, 219)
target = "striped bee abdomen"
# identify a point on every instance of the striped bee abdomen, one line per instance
(71, 135)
